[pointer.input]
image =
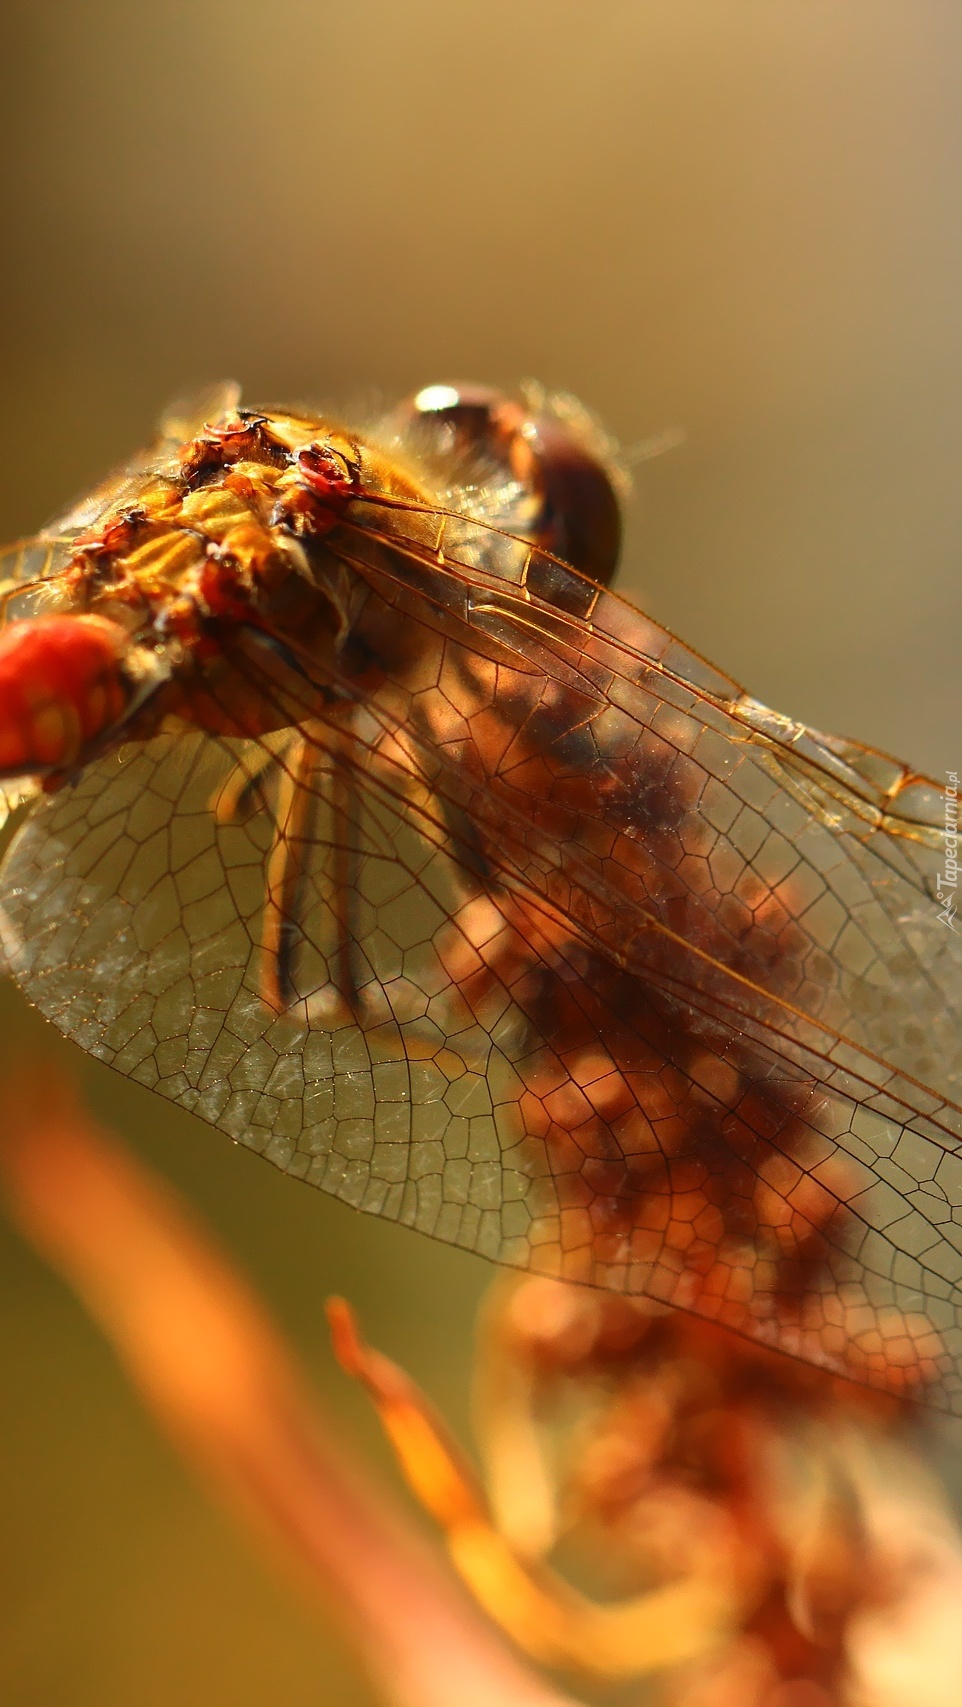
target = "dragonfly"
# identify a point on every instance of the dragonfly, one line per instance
(353, 811)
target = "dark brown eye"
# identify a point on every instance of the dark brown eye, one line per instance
(549, 450)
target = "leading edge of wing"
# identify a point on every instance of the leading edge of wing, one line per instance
(39, 557)
(882, 790)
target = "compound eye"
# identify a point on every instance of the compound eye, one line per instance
(462, 423)
(580, 513)
(555, 456)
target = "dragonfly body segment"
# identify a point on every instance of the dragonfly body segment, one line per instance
(62, 684)
(415, 858)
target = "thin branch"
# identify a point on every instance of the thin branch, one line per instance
(213, 1369)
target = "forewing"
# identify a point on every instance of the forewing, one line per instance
(810, 867)
(178, 424)
(453, 1060)
(40, 558)
(189, 415)
(559, 948)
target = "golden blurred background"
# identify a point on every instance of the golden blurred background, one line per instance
(731, 217)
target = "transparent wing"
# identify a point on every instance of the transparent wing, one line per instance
(556, 945)
(187, 416)
(640, 777)
(44, 555)
(454, 1056)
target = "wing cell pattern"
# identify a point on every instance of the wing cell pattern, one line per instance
(455, 1062)
(539, 935)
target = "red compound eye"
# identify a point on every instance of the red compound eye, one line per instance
(62, 683)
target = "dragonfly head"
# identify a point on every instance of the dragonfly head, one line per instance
(544, 458)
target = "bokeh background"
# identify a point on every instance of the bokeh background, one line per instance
(732, 217)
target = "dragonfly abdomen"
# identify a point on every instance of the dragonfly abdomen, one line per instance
(62, 683)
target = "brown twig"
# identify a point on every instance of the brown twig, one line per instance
(215, 1372)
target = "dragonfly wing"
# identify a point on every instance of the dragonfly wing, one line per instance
(809, 865)
(134, 916)
(25, 563)
(177, 425)
(40, 558)
(188, 416)
(450, 1059)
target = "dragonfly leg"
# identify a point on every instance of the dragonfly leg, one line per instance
(293, 806)
(301, 770)
(345, 872)
(247, 784)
